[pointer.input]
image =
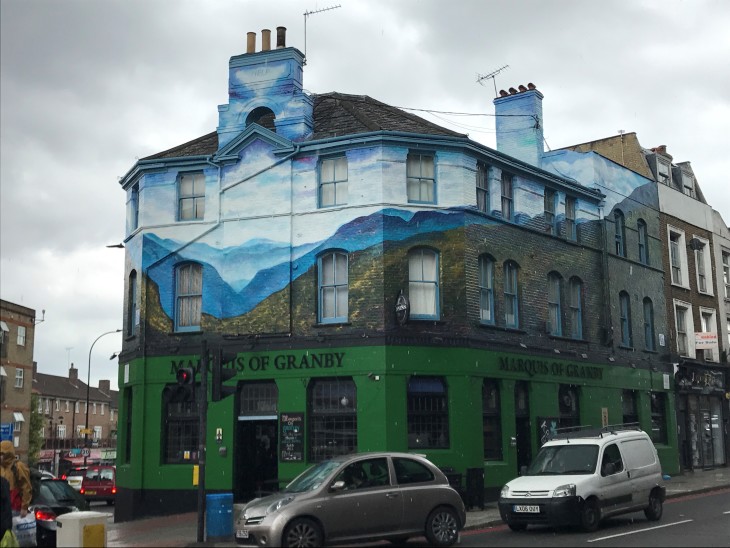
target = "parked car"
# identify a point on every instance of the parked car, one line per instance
(582, 478)
(365, 496)
(100, 483)
(75, 476)
(52, 498)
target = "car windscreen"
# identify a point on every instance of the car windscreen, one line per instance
(564, 460)
(312, 477)
(57, 491)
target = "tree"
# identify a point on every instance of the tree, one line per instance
(35, 438)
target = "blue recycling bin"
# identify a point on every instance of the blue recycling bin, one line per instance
(219, 515)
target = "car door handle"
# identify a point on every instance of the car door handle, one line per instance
(392, 495)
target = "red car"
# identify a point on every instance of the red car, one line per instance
(100, 483)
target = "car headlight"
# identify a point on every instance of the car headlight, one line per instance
(567, 490)
(278, 504)
(505, 491)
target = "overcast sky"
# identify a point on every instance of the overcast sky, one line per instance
(89, 86)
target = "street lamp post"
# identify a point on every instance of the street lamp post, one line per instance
(88, 381)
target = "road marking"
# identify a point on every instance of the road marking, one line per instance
(641, 530)
(728, 512)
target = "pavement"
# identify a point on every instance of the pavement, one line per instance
(181, 529)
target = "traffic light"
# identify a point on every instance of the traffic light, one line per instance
(186, 384)
(222, 374)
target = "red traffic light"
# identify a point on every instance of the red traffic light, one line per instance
(185, 376)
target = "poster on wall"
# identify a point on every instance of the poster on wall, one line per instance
(291, 437)
(547, 428)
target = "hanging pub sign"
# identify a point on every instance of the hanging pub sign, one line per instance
(402, 309)
(291, 437)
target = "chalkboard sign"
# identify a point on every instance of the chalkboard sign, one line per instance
(291, 437)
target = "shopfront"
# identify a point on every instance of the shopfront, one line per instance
(702, 416)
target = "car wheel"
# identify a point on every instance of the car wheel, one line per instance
(517, 526)
(654, 511)
(302, 533)
(590, 516)
(442, 527)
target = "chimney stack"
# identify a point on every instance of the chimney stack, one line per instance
(250, 42)
(104, 386)
(73, 373)
(265, 40)
(519, 123)
(280, 37)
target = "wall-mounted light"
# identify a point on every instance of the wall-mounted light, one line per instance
(556, 350)
(523, 345)
(373, 377)
(611, 359)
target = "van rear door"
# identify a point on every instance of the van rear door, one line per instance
(643, 467)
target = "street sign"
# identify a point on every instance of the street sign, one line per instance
(6, 431)
(85, 451)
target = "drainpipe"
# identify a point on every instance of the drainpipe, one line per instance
(606, 284)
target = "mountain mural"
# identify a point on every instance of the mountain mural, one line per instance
(241, 277)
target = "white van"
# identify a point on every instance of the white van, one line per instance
(583, 477)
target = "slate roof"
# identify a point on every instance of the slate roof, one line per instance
(57, 387)
(335, 115)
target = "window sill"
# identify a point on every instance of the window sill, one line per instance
(191, 332)
(502, 328)
(679, 286)
(568, 339)
(130, 337)
(332, 324)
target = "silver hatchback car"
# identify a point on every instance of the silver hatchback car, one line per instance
(364, 496)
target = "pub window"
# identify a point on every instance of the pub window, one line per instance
(259, 399)
(188, 296)
(180, 428)
(628, 405)
(332, 418)
(643, 242)
(333, 287)
(576, 308)
(486, 289)
(511, 301)
(491, 420)
(625, 316)
(649, 343)
(507, 197)
(568, 406)
(658, 417)
(423, 284)
(421, 177)
(428, 413)
(333, 181)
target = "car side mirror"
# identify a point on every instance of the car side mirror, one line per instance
(337, 486)
(523, 470)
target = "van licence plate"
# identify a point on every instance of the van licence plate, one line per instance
(242, 533)
(525, 509)
(91, 492)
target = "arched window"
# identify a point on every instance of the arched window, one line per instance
(649, 343)
(132, 318)
(428, 413)
(620, 231)
(262, 116)
(555, 317)
(188, 296)
(625, 316)
(643, 241)
(486, 289)
(511, 301)
(423, 283)
(332, 418)
(333, 287)
(576, 308)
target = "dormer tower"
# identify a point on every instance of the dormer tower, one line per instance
(265, 87)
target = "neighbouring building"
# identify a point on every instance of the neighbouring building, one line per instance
(62, 401)
(382, 283)
(17, 335)
(695, 253)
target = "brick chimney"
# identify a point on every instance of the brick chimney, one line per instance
(104, 386)
(519, 123)
(73, 373)
(266, 83)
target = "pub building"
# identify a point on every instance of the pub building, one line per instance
(377, 282)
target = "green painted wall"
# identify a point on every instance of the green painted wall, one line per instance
(381, 405)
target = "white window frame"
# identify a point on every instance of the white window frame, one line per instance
(19, 377)
(48, 406)
(678, 257)
(708, 324)
(688, 184)
(67, 406)
(76, 407)
(40, 406)
(21, 335)
(57, 405)
(551, 208)
(93, 408)
(61, 430)
(663, 176)
(102, 409)
(191, 196)
(97, 432)
(571, 229)
(726, 272)
(333, 187)
(703, 267)
(111, 415)
(689, 329)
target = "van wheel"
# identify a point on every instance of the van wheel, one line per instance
(590, 516)
(654, 511)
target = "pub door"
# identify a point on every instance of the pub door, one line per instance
(522, 425)
(256, 466)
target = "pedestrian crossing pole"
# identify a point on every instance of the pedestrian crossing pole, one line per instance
(202, 428)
